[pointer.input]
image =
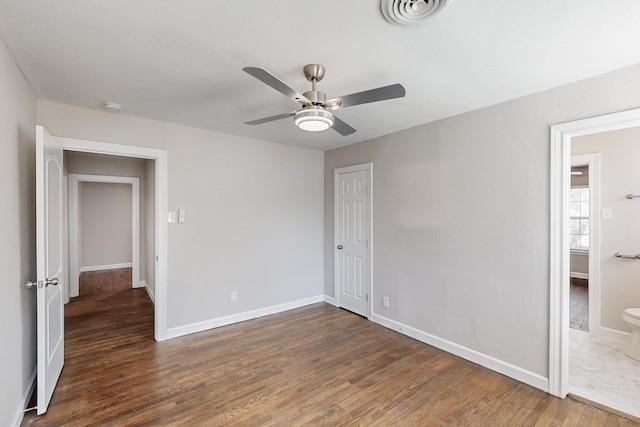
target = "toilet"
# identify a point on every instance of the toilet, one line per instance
(632, 317)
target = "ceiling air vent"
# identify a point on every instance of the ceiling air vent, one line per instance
(411, 12)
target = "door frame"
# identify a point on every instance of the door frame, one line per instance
(74, 222)
(559, 254)
(367, 167)
(161, 212)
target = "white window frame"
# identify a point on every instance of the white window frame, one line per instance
(588, 218)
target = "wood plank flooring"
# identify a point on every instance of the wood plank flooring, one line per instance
(316, 366)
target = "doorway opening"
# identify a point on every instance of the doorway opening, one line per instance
(579, 233)
(157, 174)
(584, 239)
(570, 349)
(105, 228)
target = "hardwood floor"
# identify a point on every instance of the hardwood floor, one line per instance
(317, 366)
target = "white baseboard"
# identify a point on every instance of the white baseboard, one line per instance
(330, 300)
(26, 397)
(240, 317)
(141, 284)
(578, 275)
(105, 267)
(502, 367)
(152, 297)
(608, 332)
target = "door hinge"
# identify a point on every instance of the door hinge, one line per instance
(366, 297)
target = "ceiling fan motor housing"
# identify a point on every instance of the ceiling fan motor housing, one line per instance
(313, 72)
(316, 97)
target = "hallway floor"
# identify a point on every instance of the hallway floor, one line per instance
(600, 371)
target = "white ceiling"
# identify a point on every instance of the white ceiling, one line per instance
(181, 61)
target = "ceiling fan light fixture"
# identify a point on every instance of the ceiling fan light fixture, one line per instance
(313, 119)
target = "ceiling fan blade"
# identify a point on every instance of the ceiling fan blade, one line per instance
(372, 95)
(341, 127)
(269, 79)
(269, 119)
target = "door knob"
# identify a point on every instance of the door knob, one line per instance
(339, 246)
(32, 284)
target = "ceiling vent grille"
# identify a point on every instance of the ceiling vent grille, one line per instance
(411, 12)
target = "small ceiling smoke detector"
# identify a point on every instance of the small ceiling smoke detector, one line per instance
(111, 106)
(411, 12)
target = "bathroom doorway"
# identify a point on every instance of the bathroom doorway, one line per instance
(599, 371)
(590, 364)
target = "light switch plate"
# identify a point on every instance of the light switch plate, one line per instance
(607, 213)
(172, 217)
(181, 215)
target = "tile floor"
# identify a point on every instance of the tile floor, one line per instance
(600, 371)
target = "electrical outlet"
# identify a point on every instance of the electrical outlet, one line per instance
(234, 296)
(385, 302)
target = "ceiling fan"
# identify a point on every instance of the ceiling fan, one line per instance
(315, 114)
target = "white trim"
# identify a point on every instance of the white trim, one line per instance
(368, 167)
(614, 333)
(579, 252)
(240, 317)
(74, 222)
(161, 212)
(26, 397)
(579, 275)
(497, 365)
(560, 172)
(106, 267)
(330, 300)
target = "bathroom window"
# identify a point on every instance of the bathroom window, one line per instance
(579, 218)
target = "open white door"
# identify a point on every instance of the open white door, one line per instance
(49, 259)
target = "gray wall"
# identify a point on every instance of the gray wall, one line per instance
(17, 237)
(254, 212)
(579, 265)
(620, 175)
(105, 224)
(461, 218)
